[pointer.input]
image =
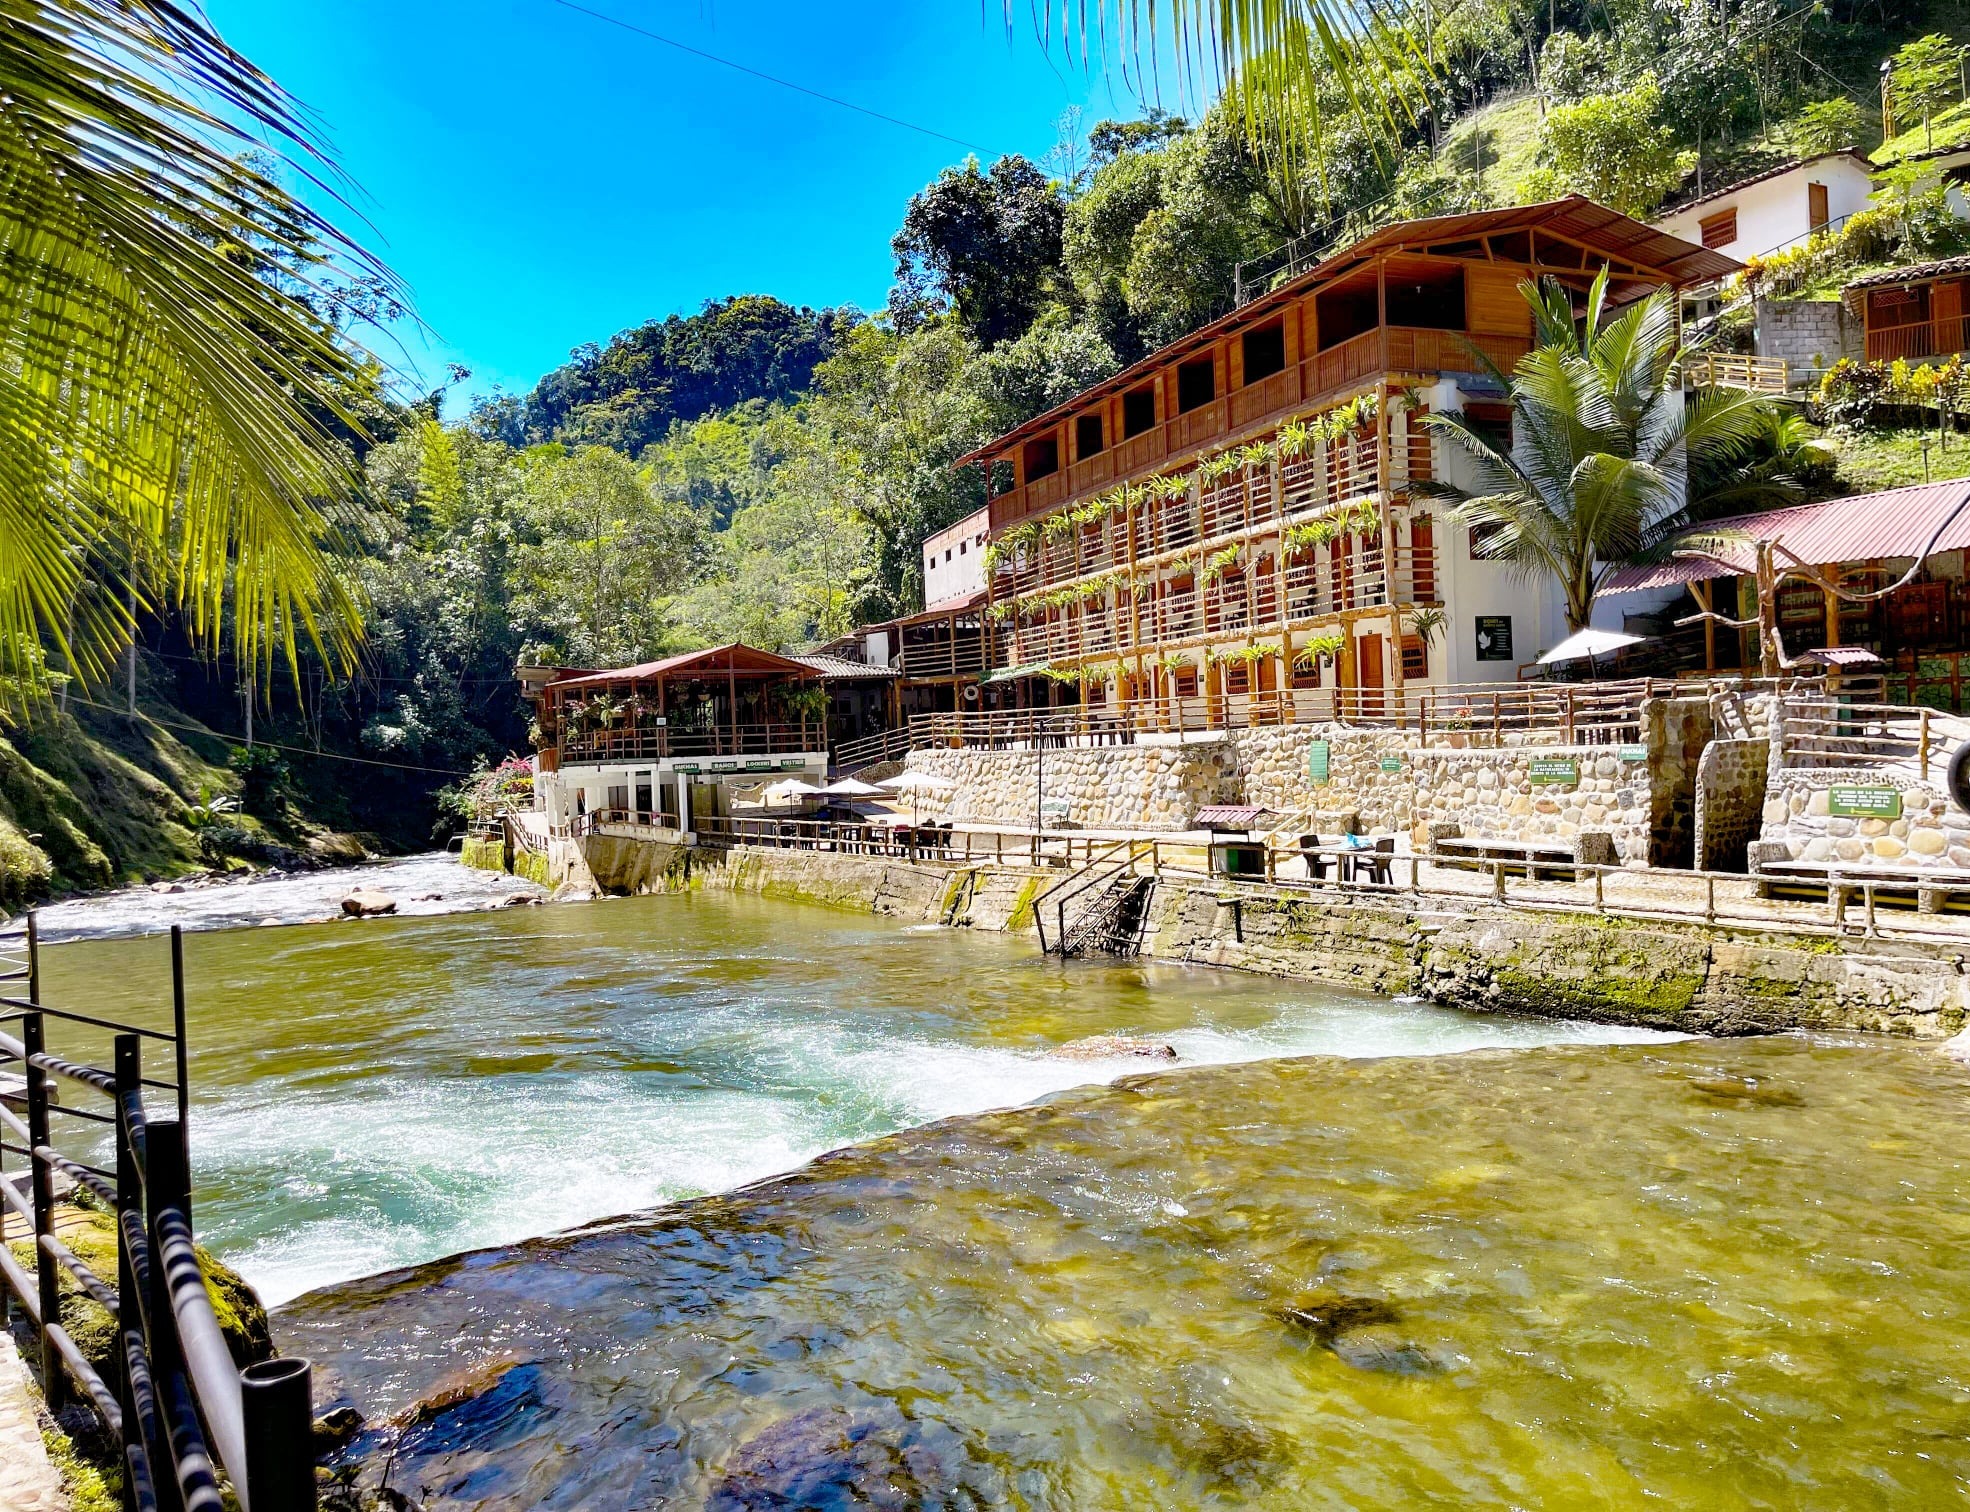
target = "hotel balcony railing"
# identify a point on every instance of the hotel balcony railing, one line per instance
(965, 653)
(662, 742)
(1320, 377)
(1926, 338)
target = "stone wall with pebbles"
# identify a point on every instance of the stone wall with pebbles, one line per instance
(1799, 824)
(1730, 797)
(1378, 781)
(1146, 787)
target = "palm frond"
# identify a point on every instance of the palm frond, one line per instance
(161, 391)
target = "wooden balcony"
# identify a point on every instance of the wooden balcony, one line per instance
(1912, 343)
(1328, 375)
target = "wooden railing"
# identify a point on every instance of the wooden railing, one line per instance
(1317, 378)
(1841, 732)
(174, 1404)
(658, 742)
(1760, 375)
(1925, 338)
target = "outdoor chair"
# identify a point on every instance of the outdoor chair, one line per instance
(1373, 865)
(1316, 864)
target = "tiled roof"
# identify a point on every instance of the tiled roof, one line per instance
(1941, 268)
(1770, 173)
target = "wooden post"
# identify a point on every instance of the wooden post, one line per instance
(1704, 600)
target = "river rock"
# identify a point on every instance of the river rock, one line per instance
(830, 1457)
(365, 902)
(1957, 1045)
(520, 900)
(1097, 1047)
(1325, 1315)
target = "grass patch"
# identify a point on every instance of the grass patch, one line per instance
(89, 1485)
(1869, 460)
(1498, 143)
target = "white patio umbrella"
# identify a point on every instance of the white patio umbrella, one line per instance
(850, 787)
(916, 784)
(792, 790)
(1589, 643)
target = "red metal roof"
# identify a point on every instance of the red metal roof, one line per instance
(1608, 231)
(1897, 522)
(731, 658)
(1230, 815)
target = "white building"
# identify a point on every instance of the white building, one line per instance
(954, 562)
(1778, 208)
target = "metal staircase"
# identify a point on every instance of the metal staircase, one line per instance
(1109, 902)
(1113, 922)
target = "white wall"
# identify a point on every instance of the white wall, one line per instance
(954, 560)
(1474, 589)
(1776, 212)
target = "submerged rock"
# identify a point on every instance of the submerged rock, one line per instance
(1748, 1089)
(1324, 1316)
(1096, 1047)
(831, 1457)
(366, 901)
(476, 1409)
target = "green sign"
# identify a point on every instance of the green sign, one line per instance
(1391, 763)
(1318, 755)
(725, 766)
(1551, 771)
(792, 763)
(1864, 802)
(760, 766)
(690, 768)
(1634, 753)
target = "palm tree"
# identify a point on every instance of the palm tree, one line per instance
(1603, 443)
(169, 380)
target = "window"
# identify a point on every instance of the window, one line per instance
(1197, 384)
(961, 546)
(1481, 538)
(1306, 671)
(1184, 682)
(1718, 230)
(1265, 351)
(1415, 658)
(1237, 677)
(1138, 410)
(1087, 437)
(947, 553)
(1041, 459)
(1491, 421)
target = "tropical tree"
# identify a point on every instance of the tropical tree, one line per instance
(1603, 442)
(171, 380)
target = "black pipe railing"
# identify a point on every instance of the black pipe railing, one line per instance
(187, 1420)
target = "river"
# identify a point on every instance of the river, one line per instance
(376, 1093)
(1325, 1263)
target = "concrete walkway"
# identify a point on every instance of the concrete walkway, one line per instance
(28, 1483)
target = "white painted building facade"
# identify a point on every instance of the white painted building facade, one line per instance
(1778, 209)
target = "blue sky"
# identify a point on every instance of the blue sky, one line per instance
(541, 179)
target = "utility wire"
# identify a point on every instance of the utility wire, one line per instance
(234, 740)
(698, 52)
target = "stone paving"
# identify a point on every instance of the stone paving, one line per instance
(28, 1483)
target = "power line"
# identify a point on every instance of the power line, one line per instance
(234, 740)
(698, 52)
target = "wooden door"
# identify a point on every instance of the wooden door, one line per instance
(1368, 675)
(1817, 214)
(1946, 309)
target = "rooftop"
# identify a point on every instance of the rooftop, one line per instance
(1604, 232)
(1789, 166)
(731, 660)
(1896, 523)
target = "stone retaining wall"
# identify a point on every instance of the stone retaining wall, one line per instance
(1799, 825)
(1717, 979)
(1143, 786)
(1811, 334)
(1730, 801)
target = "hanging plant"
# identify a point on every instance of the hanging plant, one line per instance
(1214, 469)
(1172, 487)
(1256, 457)
(1429, 622)
(1320, 650)
(1296, 438)
(1176, 662)
(1365, 520)
(1218, 563)
(1057, 525)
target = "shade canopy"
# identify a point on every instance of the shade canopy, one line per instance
(918, 782)
(850, 787)
(792, 790)
(1589, 642)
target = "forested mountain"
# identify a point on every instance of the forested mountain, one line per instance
(763, 472)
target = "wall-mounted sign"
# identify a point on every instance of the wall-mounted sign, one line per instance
(1318, 756)
(760, 766)
(1494, 637)
(725, 766)
(690, 768)
(1864, 802)
(1391, 763)
(792, 763)
(1634, 753)
(1552, 771)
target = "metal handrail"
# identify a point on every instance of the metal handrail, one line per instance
(179, 1409)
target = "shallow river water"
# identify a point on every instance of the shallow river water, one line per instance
(376, 1093)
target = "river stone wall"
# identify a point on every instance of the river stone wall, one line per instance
(1799, 825)
(1147, 786)
(1730, 802)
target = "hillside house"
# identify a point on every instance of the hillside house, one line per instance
(1775, 209)
(1285, 585)
(1912, 314)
